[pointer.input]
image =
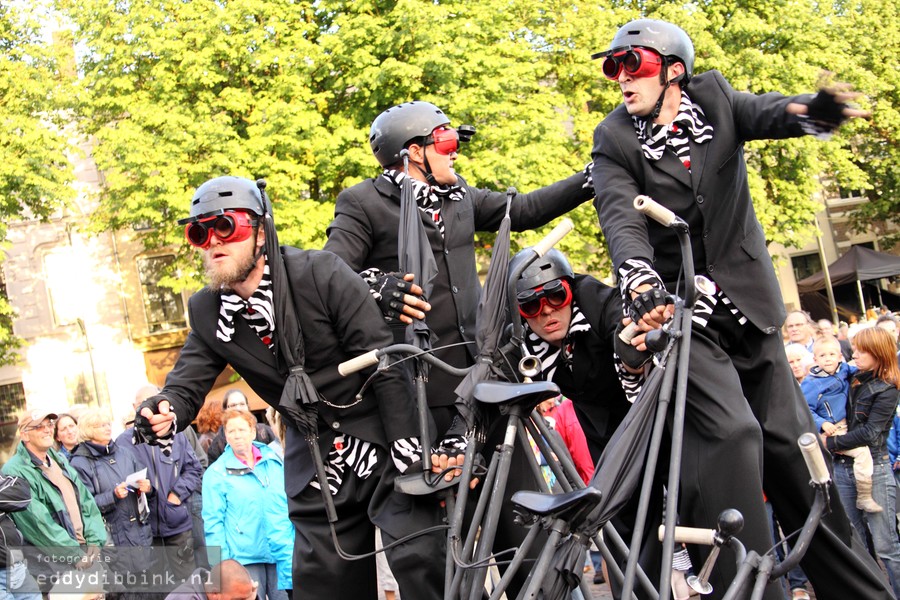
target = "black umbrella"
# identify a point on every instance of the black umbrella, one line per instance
(415, 256)
(490, 321)
(299, 397)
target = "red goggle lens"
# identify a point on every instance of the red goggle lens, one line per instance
(444, 139)
(637, 62)
(556, 294)
(231, 226)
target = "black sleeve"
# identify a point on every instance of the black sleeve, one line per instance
(530, 210)
(880, 414)
(15, 494)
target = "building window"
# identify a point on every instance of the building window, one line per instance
(12, 401)
(163, 307)
(806, 265)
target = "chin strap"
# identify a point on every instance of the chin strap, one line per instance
(256, 256)
(666, 84)
(427, 172)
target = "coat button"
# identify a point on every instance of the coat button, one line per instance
(770, 330)
(700, 199)
(455, 289)
(462, 329)
(446, 251)
(705, 233)
(335, 425)
(710, 268)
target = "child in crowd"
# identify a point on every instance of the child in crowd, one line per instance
(827, 388)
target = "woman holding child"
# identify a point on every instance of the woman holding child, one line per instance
(872, 402)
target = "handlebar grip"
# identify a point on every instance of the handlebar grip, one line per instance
(815, 462)
(552, 238)
(655, 210)
(627, 334)
(691, 535)
(358, 363)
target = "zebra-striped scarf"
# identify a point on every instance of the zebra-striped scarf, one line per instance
(258, 310)
(690, 118)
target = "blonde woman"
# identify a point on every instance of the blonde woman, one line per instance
(103, 468)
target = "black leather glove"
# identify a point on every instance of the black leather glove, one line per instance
(645, 302)
(143, 431)
(824, 109)
(388, 291)
(630, 356)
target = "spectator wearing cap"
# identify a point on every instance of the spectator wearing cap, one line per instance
(62, 520)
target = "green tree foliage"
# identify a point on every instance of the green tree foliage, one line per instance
(176, 92)
(34, 170)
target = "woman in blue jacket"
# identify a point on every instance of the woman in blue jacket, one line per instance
(245, 508)
(103, 468)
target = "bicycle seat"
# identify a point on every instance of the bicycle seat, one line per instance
(526, 394)
(565, 506)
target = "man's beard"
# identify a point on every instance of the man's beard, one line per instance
(223, 278)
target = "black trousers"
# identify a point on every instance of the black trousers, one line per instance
(319, 572)
(744, 414)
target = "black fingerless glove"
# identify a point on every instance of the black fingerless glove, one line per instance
(143, 431)
(645, 302)
(630, 356)
(824, 109)
(388, 290)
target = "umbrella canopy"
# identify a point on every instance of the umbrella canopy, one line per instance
(566, 569)
(490, 321)
(620, 468)
(858, 264)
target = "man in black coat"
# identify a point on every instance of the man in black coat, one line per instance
(236, 320)
(571, 322)
(679, 139)
(366, 222)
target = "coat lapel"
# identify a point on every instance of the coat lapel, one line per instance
(670, 164)
(698, 161)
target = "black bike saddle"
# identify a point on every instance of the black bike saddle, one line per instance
(559, 505)
(525, 394)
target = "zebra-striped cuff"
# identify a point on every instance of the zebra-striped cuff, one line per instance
(405, 452)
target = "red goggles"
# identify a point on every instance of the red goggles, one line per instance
(555, 294)
(444, 139)
(230, 226)
(637, 62)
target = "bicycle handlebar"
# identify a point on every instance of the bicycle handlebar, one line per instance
(358, 363)
(656, 211)
(815, 461)
(557, 233)
(374, 356)
(690, 535)
(666, 218)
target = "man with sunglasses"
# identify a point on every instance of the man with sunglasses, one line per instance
(259, 296)
(678, 138)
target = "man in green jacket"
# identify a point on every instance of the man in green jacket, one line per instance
(62, 521)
